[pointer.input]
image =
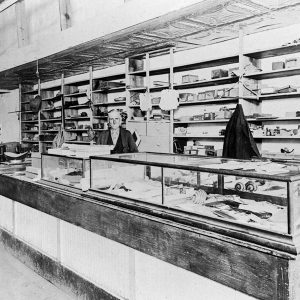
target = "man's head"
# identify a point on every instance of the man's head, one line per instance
(114, 119)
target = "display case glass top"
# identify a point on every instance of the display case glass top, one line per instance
(259, 193)
(65, 170)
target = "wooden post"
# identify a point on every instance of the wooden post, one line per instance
(171, 84)
(148, 81)
(65, 14)
(22, 28)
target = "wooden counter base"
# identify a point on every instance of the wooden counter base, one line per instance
(51, 270)
(261, 274)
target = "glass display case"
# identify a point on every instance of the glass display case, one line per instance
(66, 170)
(261, 193)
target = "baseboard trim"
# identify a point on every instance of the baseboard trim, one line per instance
(63, 278)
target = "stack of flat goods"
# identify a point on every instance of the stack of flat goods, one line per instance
(81, 150)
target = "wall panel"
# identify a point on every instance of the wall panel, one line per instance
(98, 259)
(156, 279)
(8, 30)
(6, 213)
(9, 122)
(37, 229)
(43, 19)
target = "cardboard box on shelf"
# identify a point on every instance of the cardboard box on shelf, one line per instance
(209, 94)
(278, 65)
(189, 78)
(219, 73)
(292, 62)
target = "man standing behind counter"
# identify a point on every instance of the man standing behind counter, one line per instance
(116, 135)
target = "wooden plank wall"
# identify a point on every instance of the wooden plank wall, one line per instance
(8, 32)
(9, 103)
(43, 19)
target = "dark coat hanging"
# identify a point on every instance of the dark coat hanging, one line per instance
(238, 140)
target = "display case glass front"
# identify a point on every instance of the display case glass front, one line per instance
(65, 170)
(259, 193)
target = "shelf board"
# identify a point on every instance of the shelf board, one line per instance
(208, 64)
(219, 100)
(76, 130)
(52, 120)
(49, 130)
(278, 137)
(158, 88)
(110, 90)
(248, 119)
(77, 142)
(3, 91)
(134, 106)
(78, 106)
(277, 51)
(279, 96)
(137, 89)
(221, 137)
(274, 74)
(47, 142)
(217, 81)
(77, 118)
(99, 129)
(28, 141)
(203, 121)
(28, 112)
(159, 71)
(141, 72)
(52, 109)
(29, 131)
(274, 119)
(100, 117)
(25, 102)
(78, 94)
(110, 103)
(29, 121)
(58, 97)
(30, 92)
(199, 136)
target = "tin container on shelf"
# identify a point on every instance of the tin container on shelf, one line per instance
(189, 78)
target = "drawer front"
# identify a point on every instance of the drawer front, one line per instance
(158, 129)
(154, 144)
(140, 127)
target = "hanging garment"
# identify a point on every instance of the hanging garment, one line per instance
(169, 99)
(238, 140)
(145, 102)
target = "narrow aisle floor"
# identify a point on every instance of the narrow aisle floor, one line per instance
(18, 282)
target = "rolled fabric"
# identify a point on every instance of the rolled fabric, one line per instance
(239, 186)
(251, 186)
(199, 197)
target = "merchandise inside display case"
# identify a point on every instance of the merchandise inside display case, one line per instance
(65, 170)
(256, 193)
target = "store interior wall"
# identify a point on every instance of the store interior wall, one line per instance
(9, 123)
(40, 26)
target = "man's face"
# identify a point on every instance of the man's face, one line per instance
(114, 120)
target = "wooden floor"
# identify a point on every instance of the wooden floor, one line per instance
(17, 282)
